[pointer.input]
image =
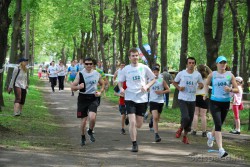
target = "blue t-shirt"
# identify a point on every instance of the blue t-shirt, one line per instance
(73, 71)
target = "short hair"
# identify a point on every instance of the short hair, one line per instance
(165, 69)
(133, 50)
(90, 59)
(190, 58)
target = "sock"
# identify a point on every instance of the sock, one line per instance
(134, 143)
(238, 130)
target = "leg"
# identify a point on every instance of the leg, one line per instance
(92, 120)
(203, 113)
(132, 126)
(195, 119)
(83, 125)
(156, 117)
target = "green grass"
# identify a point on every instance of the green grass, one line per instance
(34, 121)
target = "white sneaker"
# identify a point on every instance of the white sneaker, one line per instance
(210, 139)
(17, 113)
(222, 153)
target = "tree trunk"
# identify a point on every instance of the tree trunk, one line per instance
(86, 44)
(102, 36)
(75, 48)
(212, 43)
(120, 36)
(235, 37)
(133, 32)
(32, 55)
(14, 40)
(184, 45)
(63, 57)
(114, 38)
(127, 32)
(248, 21)
(138, 23)
(164, 33)
(4, 28)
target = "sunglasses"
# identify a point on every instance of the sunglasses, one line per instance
(88, 64)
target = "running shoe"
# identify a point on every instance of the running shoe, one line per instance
(185, 140)
(123, 131)
(157, 138)
(91, 136)
(126, 121)
(210, 139)
(204, 134)
(134, 148)
(193, 132)
(222, 153)
(235, 132)
(178, 133)
(17, 113)
(83, 141)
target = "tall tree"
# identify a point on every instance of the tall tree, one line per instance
(184, 45)
(164, 33)
(248, 21)
(120, 36)
(114, 37)
(4, 28)
(16, 23)
(127, 38)
(101, 22)
(213, 43)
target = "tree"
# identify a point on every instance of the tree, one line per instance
(184, 45)
(14, 39)
(213, 43)
(164, 33)
(4, 27)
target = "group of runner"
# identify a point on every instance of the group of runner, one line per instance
(137, 85)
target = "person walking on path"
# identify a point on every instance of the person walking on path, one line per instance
(72, 71)
(223, 82)
(19, 82)
(186, 82)
(86, 82)
(201, 105)
(52, 72)
(156, 100)
(136, 96)
(122, 107)
(168, 79)
(61, 75)
(237, 105)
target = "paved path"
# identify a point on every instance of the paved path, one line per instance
(111, 149)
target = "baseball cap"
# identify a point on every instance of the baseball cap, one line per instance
(155, 68)
(22, 59)
(220, 59)
(239, 79)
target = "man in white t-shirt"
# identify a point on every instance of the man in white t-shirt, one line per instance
(186, 82)
(136, 76)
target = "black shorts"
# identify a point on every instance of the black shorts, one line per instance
(85, 104)
(156, 106)
(135, 108)
(200, 102)
(20, 95)
(122, 109)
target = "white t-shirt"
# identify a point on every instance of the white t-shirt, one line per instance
(189, 81)
(91, 81)
(135, 78)
(158, 85)
(52, 71)
(62, 70)
(201, 91)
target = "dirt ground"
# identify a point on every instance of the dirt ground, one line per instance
(111, 148)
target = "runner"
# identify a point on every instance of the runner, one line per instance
(72, 71)
(117, 73)
(61, 75)
(201, 105)
(136, 96)
(186, 82)
(86, 82)
(122, 108)
(222, 81)
(156, 99)
(52, 72)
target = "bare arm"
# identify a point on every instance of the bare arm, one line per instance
(75, 84)
(167, 90)
(178, 87)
